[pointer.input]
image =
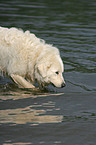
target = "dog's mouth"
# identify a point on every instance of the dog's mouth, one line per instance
(61, 86)
(53, 84)
(43, 85)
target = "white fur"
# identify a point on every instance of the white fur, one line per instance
(23, 54)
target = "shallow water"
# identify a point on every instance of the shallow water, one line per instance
(64, 116)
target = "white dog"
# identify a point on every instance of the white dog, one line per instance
(27, 58)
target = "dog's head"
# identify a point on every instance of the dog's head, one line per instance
(49, 71)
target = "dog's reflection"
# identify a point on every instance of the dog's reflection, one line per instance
(28, 115)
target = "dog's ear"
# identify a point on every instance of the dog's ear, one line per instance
(43, 68)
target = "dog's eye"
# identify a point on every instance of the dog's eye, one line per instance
(57, 72)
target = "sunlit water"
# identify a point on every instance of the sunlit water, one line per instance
(64, 116)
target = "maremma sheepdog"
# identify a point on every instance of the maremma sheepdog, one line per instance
(27, 59)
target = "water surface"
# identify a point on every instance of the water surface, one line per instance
(64, 116)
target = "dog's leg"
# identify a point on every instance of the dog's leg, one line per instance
(21, 81)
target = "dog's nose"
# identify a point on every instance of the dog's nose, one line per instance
(63, 85)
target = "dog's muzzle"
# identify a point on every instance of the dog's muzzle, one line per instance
(62, 85)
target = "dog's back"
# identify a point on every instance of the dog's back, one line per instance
(12, 54)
